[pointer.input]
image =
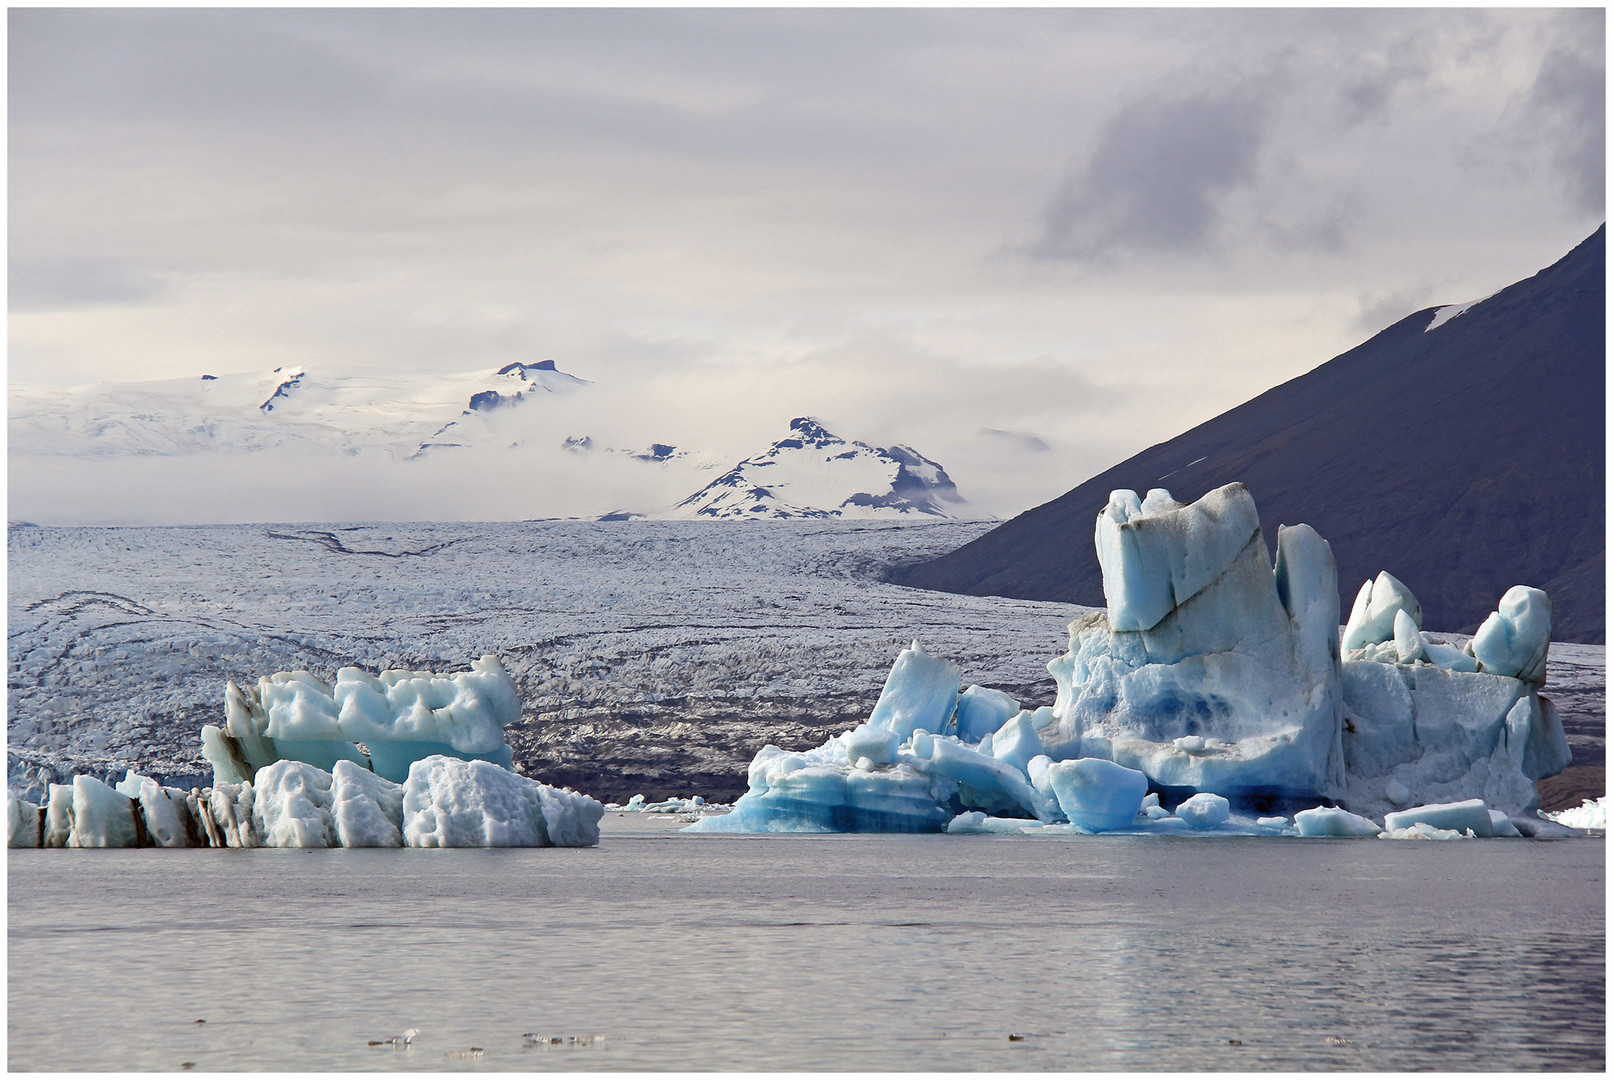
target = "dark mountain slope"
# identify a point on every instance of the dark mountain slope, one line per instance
(1463, 459)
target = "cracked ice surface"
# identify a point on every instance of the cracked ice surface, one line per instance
(652, 657)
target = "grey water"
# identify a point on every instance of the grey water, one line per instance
(662, 951)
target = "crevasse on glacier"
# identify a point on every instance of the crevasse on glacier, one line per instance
(293, 768)
(1215, 680)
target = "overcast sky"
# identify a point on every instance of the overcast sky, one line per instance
(1027, 243)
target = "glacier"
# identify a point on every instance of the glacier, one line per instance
(1217, 694)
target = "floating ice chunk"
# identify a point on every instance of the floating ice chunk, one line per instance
(231, 809)
(1426, 734)
(130, 784)
(1204, 810)
(450, 802)
(1514, 639)
(1016, 742)
(1333, 821)
(982, 712)
(1501, 825)
(983, 782)
(1158, 553)
(1276, 824)
(1249, 663)
(877, 744)
(1590, 814)
(1448, 657)
(299, 705)
(102, 817)
(1372, 619)
(1097, 794)
(977, 823)
(403, 716)
(970, 821)
(25, 826)
(1469, 814)
(292, 806)
(58, 815)
(167, 814)
(365, 808)
(921, 691)
(570, 819)
(1409, 646)
(1423, 831)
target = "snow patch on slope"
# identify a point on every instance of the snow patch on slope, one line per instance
(814, 473)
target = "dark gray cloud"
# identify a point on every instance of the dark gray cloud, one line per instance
(1568, 103)
(1158, 175)
(1021, 440)
(67, 284)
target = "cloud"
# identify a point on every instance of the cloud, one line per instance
(1567, 105)
(69, 284)
(1020, 439)
(1159, 173)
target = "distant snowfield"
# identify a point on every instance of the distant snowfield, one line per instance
(650, 656)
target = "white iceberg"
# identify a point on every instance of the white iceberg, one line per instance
(366, 809)
(103, 817)
(1589, 814)
(452, 802)
(292, 806)
(1459, 817)
(25, 824)
(1204, 810)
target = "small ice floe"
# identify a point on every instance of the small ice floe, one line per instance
(403, 1041)
(471, 1054)
(530, 1039)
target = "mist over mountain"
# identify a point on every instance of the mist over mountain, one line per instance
(1462, 449)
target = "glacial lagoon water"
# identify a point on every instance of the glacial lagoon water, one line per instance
(661, 951)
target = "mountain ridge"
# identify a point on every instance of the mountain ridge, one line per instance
(1443, 449)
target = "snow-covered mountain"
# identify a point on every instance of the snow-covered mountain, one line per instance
(813, 473)
(405, 413)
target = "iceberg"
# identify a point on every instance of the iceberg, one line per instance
(1218, 681)
(920, 692)
(1589, 814)
(1332, 821)
(1234, 685)
(1097, 794)
(288, 772)
(366, 809)
(400, 717)
(452, 802)
(292, 806)
(1204, 810)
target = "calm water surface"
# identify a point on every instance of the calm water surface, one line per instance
(659, 951)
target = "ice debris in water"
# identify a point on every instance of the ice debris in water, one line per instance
(1217, 678)
(1590, 814)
